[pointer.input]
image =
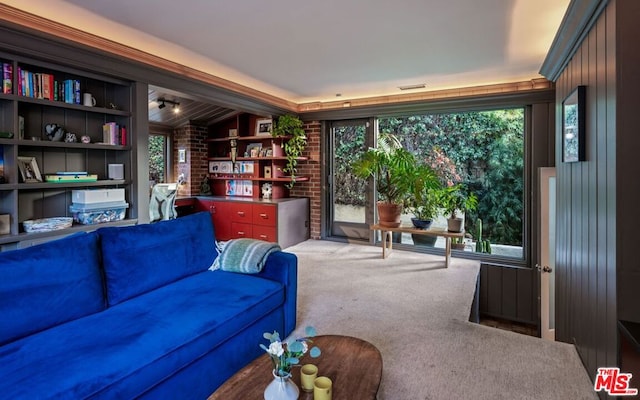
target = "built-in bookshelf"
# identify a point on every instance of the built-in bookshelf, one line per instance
(242, 158)
(93, 114)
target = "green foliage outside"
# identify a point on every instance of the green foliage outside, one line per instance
(487, 149)
(157, 158)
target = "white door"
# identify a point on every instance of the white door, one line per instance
(547, 256)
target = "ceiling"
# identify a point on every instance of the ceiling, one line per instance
(308, 51)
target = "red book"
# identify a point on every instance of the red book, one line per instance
(123, 136)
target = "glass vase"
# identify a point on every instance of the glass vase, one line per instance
(281, 388)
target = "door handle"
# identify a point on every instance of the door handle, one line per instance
(241, 213)
(546, 268)
(263, 216)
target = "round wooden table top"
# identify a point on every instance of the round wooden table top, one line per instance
(353, 365)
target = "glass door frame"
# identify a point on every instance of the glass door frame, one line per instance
(331, 226)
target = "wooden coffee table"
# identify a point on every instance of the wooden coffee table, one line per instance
(354, 366)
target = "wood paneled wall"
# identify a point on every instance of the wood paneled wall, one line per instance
(597, 211)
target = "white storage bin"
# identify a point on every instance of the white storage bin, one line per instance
(95, 196)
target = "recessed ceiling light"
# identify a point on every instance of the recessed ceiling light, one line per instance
(411, 87)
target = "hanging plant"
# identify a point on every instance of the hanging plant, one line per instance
(290, 126)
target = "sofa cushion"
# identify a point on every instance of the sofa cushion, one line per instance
(127, 349)
(48, 284)
(144, 257)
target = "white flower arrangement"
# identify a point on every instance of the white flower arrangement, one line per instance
(284, 355)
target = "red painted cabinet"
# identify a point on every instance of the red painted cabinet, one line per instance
(220, 212)
(284, 221)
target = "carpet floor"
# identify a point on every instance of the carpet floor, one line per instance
(416, 313)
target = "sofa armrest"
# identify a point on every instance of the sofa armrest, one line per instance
(283, 267)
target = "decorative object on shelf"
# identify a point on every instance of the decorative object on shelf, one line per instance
(264, 127)
(573, 125)
(47, 224)
(88, 100)
(284, 356)
(267, 171)
(70, 138)
(20, 127)
(267, 190)
(290, 126)
(6, 135)
(115, 171)
(5, 224)
(234, 150)
(233, 132)
(85, 139)
(254, 149)
(54, 132)
(205, 188)
(29, 170)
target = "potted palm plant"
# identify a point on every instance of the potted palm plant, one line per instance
(291, 127)
(390, 165)
(455, 199)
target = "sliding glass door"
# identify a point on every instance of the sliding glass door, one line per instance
(349, 205)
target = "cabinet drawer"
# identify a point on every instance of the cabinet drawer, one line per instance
(241, 212)
(240, 230)
(270, 234)
(264, 215)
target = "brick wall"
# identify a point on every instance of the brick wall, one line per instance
(191, 139)
(311, 168)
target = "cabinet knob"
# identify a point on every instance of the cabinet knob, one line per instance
(240, 233)
(263, 236)
(263, 215)
(241, 213)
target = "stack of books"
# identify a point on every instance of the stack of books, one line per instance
(71, 176)
(113, 133)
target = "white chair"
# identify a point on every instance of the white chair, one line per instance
(163, 200)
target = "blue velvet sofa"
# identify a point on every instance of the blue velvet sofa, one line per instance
(134, 312)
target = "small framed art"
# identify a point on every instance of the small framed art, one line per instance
(29, 170)
(573, 125)
(263, 127)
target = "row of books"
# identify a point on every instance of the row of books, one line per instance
(112, 133)
(39, 85)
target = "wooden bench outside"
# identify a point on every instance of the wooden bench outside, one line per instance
(387, 242)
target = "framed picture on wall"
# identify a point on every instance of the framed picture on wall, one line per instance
(573, 125)
(263, 127)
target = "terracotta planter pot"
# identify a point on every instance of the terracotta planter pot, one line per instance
(454, 224)
(389, 214)
(458, 246)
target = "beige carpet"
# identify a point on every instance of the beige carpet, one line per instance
(416, 313)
